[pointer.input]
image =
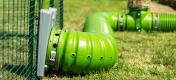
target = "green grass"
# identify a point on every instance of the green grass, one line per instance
(75, 12)
(148, 56)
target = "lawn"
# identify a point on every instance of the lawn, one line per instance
(150, 56)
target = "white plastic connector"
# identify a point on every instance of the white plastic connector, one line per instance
(47, 21)
(53, 57)
(156, 23)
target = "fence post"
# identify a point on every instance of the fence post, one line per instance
(61, 14)
(52, 3)
(31, 37)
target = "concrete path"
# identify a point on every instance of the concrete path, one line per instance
(160, 8)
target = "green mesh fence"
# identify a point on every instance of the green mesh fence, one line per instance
(59, 4)
(18, 38)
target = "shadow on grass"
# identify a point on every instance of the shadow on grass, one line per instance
(20, 70)
(60, 74)
(51, 73)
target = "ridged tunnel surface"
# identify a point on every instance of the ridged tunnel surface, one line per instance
(81, 52)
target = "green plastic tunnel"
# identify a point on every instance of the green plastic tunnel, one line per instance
(144, 21)
(81, 52)
(95, 48)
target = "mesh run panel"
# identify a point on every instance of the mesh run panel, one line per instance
(18, 38)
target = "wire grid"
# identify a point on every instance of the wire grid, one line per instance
(18, 38)
(59, 4)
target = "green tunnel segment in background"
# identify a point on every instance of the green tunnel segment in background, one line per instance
(95, 48)
(144, 21)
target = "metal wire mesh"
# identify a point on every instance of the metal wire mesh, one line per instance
(59, 4)
(18, 38)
